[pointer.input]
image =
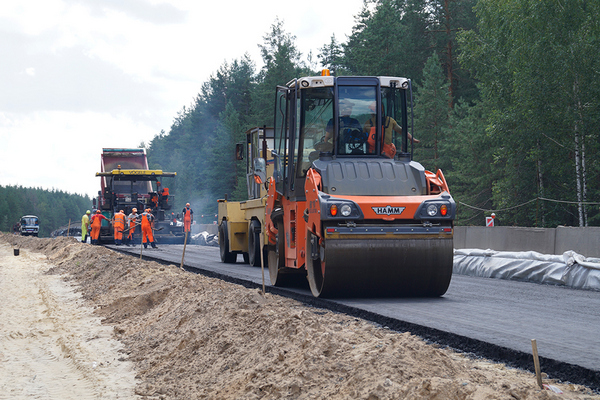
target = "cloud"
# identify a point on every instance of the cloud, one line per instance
(160, 13)
(62, 149)
(69, 79)
(79, 75)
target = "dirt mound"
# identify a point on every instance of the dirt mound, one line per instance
(193, 337)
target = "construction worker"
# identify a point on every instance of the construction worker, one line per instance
(188, 217)
(85, 226)
(147, 222)
(389, 125)
(133, 220)
(154, 200)
(163, 195)
(119, 227)
(96, 224)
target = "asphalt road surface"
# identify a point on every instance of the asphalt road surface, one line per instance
(493, 318)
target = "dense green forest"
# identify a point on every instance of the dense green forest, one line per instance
(53, 208)
(507, 104)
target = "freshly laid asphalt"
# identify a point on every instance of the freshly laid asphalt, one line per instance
(492, 318)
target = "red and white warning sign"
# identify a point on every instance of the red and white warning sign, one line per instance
(489, 221)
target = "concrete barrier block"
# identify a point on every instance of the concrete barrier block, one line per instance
(508, 238)
(460, 237)
(585, 240)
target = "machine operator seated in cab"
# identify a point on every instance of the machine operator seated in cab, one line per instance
(351, 134)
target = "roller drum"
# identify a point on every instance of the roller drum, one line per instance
(381, 267)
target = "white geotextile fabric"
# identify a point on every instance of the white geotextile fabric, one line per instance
(206, 239)
(570, 269)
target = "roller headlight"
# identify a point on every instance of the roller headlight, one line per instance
(442, 208)
(335, 208)
(346, 210)
(432, 210)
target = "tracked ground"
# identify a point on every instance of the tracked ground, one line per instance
(194, 337)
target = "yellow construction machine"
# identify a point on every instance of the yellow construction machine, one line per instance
(241, 222)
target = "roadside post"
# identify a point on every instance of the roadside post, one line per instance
(262, 262)
(184, 245)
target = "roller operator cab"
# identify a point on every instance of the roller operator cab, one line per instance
(347, 206)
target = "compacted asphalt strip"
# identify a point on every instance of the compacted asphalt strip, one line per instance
(492, 318)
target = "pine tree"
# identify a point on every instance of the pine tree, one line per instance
(431, 115)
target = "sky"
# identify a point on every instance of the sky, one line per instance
(80, 75)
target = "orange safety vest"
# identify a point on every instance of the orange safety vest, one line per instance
(119, 220)
(147, 235)
(97, 220)
(387, 150)
(147, 219)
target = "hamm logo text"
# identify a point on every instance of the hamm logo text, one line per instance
(388, 210)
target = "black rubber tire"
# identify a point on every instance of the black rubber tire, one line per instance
(254, 244)
(277, 256)
(313, 267)
(226, 255)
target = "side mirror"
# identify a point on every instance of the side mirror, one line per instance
(239, 151)
(260, 170)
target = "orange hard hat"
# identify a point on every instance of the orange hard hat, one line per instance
(98, 211)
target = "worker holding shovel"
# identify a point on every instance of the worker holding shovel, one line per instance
(133, 220)
(147, 235)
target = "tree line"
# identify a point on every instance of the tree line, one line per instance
(54, 208)
(506, 99)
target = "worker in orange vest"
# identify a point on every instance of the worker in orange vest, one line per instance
(96, 224)
(147, 222)
(119, 227)
(163, 195)
(134, 220)
(154, 200)
(188, 217)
